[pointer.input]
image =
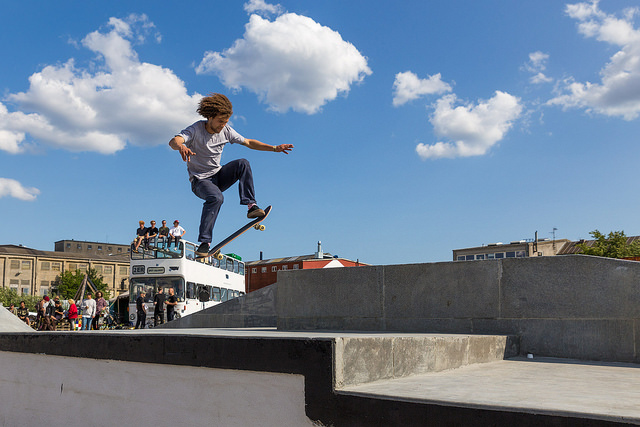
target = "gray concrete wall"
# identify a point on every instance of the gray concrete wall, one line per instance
(254, 310)
(567, 306)
(69, 391)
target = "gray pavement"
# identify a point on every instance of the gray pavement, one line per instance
(606, 391)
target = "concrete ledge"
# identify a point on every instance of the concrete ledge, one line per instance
(365, 359)
(572, 306)
(309, 355)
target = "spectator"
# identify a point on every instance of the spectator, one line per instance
(48, 316)
(141, 233)
(101, 306)
(175, 233)
(141, 311)
(23, 313)
(172, 301)
(158, 311)
(58, 312)
(13, 309)
(152, 235)
(163, 233)
(88, 312)
(72, 314)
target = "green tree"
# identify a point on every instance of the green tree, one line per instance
(10, 296)
(70, 282)
(612, 246)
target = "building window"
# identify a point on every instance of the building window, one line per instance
(82, 267)
(26, 265)
(254, 270)
(55, 266)
(295, 266)
(99, 247)
(73, 267)
(120, 250)
(108, 269)
(124, 271)
(68, 245)
(98, 269)
(469, 257)
(499, 255)
(284, 267)
(480, 256)
(79, 247)
(274, 268)
(45, 265)
(263, 270)
(89, 247)
(460, 257)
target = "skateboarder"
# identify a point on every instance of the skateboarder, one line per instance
(201, 145)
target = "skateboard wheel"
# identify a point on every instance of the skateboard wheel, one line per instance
(218, 256)
(259, 227)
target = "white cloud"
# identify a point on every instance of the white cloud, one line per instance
(471, 130)
(290, 63)
(536, 65)
(120, 100)
(407, 87)
(12, 188)
(618, 93)
(262, 8)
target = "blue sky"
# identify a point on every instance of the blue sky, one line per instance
(419, 127)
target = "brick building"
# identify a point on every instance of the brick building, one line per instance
(265, 272)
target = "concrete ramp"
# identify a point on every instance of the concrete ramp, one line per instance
(10, 322)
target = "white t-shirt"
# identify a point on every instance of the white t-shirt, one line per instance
(176, 231)
(208, 148)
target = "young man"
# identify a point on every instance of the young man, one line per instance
(163, 233)
(175, 233)
(201, 145)
(152, 233)
(158, 307)
(141, 311)
(171, 302)
(141, 233)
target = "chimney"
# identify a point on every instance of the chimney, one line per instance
(319, 254)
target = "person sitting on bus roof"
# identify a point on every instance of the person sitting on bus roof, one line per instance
(141, 232)
(163, 233)
(152, 233)
(175, 233)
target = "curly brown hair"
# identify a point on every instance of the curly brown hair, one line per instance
(213, 105)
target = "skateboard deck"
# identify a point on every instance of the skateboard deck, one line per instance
(256, 223)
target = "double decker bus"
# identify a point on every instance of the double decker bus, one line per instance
(197, 283)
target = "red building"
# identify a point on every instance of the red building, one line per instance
(259, 274)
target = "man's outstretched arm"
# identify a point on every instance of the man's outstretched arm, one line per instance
(254, 144)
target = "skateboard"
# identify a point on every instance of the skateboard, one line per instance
(256, 223)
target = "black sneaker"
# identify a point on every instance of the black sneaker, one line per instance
(203, 249)
(255, 212)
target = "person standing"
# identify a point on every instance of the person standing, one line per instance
(101, 305)
(141, 311)
(158, 311)
(171, 302)
(201, 145)
(72, 314)
(88, 312)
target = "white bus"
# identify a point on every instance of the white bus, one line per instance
(198, 284)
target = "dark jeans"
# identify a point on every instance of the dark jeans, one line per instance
(142, 319)
(210, 190)
(170, 314)
(158, 318)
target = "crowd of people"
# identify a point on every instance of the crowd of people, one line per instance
(159, 302)
(50, 313)
(164, 235)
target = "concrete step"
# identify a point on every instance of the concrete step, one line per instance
(373, 357)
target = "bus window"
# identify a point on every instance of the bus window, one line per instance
(215, 293)
(190, 250)
(241, 268)
(230, 264)
(236, 266)
(224, 295)
(191, 290)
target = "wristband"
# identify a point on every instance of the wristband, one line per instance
(275, 148)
